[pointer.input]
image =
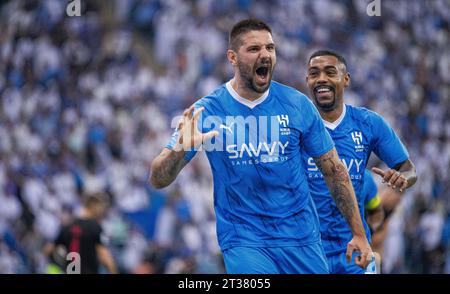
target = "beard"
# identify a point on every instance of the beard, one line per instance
(326, 106)
(248, 76)
(325, 102)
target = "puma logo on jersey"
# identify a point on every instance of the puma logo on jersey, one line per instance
(222, 126)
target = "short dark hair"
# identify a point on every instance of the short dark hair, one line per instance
(328, 52)
(244, 26)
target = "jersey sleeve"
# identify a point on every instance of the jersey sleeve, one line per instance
(370, 192)
(387, 145)
(173, 140)
(316, 139)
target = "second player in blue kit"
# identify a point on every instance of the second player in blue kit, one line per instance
(356, 132)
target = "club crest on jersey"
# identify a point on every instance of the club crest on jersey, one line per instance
(357, 138)
(283, 120)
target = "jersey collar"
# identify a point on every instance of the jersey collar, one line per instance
(246, 102)
(332, 126)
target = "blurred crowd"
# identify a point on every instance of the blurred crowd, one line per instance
(87, 102)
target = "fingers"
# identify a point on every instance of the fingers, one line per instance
(404, 186)
(401, 182)
(188, 112)
(187, 115)
(197, 113)
(349, 253)
(187, 119)
(362, 260)
(209, 135)
(398, 180)
(180, 123)
(386, 175)
(360, 245)
(378, 171)
(190, 136)
(191, 111)
(393, 180)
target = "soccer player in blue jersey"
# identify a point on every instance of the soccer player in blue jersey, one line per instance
(255, 131)
(356, 132)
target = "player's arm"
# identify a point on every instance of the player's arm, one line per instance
(106, 259)
(390, 199)
(389, 148)
(341, 189)
(400, 177)
(168, 164)
(49, 247)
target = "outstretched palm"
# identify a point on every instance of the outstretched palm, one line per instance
(190, 137)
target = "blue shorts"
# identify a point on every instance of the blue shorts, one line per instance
(338, 264)
(307, 259)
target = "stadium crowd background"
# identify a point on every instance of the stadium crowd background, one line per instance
(86, 103)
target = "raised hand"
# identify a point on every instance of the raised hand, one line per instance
(393, 178)
(190, 137)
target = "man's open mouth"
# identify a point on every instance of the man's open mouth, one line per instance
(323, 89)
(262, 72)
(324, 92)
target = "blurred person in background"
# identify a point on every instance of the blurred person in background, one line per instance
(84, 236)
